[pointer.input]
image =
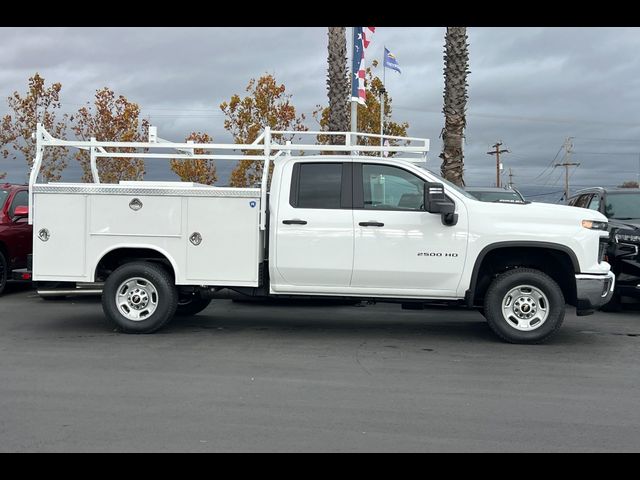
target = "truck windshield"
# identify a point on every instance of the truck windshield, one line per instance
(3, 197)
(623, 206)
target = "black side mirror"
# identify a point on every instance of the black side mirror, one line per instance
(435, 201)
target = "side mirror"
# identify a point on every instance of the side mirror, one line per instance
(21, 212)
(435, 201)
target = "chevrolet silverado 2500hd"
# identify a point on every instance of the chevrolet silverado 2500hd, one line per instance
(343, 224)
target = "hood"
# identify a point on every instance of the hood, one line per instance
(531, 219)
(547, 212)
(624, 224)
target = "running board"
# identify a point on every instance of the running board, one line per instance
(85, 289)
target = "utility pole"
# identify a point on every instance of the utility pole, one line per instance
(497, 153)
(568, 146)
(510, 178)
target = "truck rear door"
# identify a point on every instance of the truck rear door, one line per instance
(314, 226)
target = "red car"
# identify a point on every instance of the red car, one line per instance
(15, 231)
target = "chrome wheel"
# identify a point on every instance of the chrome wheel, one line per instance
(137, 299)
(525, 308)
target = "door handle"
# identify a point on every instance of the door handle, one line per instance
(371, 224)
(294, 222)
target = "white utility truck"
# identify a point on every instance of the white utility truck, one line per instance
(348, 220)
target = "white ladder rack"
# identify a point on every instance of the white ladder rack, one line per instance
(266, 147)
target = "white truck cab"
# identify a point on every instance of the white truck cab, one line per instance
(345, 224)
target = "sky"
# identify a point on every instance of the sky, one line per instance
(529, 88)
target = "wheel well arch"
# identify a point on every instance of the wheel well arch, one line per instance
(556, 260)
(120, 255)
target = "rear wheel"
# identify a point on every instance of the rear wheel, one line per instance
(139, 297)
(4, 272)
(524, 306)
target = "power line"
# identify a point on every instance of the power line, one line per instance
(550, 163)
(570, 121)
(609, 139)
(635, 154)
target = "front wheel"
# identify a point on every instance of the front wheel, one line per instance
(524, 306)
(139, 297)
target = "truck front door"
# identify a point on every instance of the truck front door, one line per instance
(314, 228)
(400, 249)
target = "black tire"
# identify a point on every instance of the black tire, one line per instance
(533, 282)
(191, 304)
(154, 284)
(4, 272)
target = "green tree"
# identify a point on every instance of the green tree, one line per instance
(39, 104)
(266, 105)
(116, 119)
(197, 170)
(456, 69)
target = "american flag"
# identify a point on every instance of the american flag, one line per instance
(361, 40)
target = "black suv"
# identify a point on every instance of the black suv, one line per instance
(622, 207)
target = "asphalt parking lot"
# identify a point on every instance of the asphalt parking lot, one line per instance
(252, 377)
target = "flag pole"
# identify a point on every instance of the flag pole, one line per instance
(382, 92)
(354, 103)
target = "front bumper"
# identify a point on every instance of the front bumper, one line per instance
(593, 291)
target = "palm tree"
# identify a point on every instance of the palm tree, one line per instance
(338, 84)
(456, 64)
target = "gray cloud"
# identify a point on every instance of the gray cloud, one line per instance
(529, 87)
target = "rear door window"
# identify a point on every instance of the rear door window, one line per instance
(317, 185)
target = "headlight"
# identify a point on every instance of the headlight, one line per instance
(594, 225)
(622, 237)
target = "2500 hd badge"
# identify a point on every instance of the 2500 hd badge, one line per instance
(437, 254)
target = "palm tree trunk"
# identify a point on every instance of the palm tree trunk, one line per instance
(338, 84)
(456, 64)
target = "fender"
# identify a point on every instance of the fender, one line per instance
(469, 294)
(125, 246)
